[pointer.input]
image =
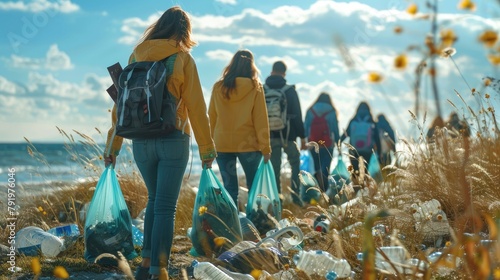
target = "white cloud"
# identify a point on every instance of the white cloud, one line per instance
(36, 6)
(222, 55)
(54, 60)
(9, 87)
(229, 2)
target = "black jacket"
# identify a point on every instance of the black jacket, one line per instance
(294, 112)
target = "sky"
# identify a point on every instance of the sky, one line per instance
(54, 55)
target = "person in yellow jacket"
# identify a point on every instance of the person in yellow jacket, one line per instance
(239, 123)
(162, 161)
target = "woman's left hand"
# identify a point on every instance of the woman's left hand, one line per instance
(207, 162)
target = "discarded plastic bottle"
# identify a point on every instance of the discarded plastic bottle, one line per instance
(236, 275)
(248, 229)
(137, 236)
(286, 238)
(65, 230)
(31, 240)
(322, 224)
(206, 270)
(321, 263)
(451, 262)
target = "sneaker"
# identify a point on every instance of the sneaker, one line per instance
(141, 273)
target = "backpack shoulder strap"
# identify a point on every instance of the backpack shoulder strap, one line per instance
(169, 63)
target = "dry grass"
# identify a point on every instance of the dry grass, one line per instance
(462, 174)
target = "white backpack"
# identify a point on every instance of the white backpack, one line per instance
(276, 107)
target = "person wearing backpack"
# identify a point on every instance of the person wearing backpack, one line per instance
(363, 136)
(162, 160)
(286, 125)
(238, 121)
(387, 140)
(321, 126)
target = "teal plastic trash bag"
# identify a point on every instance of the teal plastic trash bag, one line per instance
(306, 161)
(214, 215)
(309, 188)
(374, 169)
(339, 177)
(108, 225)
(263, 199)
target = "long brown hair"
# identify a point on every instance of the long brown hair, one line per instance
(241, 65)
(173, 24)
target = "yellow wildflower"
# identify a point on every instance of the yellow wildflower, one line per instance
(448, 244)
(219, 241)
(496, 273)
(467, 5)
(488, 38)
(40, 209)
(494, 59)
(202, 210)
(412, 9)
(313, 202)
(448, 37)
(60, 272)
(487, 82)
(35, 266)
(400, 62)
(256, 273)
(45, 213)
(374, 77)
(486, 96)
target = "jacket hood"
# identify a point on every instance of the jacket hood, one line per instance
(244, 86)
(275, 81)
(320, 108)
(154, 50)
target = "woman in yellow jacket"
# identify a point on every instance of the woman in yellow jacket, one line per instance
(162, 161)
(238, 119)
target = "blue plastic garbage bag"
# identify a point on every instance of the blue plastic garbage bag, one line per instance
(309, 187)
(306, 161)
(108, 225)
(214, 216)
(374, 169)
(263, 199)
(339, 177)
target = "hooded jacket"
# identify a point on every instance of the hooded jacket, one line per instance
(240, 124)
(184, 84)
(331, 118)
(294, 112)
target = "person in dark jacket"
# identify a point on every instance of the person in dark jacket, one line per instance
(363, 136)
(387, 140)
(284, 140)
(457, 127)
(322, 108)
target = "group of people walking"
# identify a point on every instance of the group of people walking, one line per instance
(236, 128)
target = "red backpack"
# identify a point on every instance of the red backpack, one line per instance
(320, 129)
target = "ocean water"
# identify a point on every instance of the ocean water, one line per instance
(41, 167)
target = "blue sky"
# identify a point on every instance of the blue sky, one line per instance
(54, 55)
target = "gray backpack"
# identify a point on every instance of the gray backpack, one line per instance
(276, 107)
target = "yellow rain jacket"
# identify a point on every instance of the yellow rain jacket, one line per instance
(240, 124)
(185, 85)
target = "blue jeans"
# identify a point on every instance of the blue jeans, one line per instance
(162, 163)
(293, 154)
(322, 162)
(227, 167)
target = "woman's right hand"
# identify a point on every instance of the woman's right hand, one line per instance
(109, 160)
(266, 158)
(207, 163)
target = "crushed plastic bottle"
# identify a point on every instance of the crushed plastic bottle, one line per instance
(322, 263)
(31, 240)
(248, 229)
(451, 262)
(206, 270)
(236, 275)
(65, 230)
(284, 239)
